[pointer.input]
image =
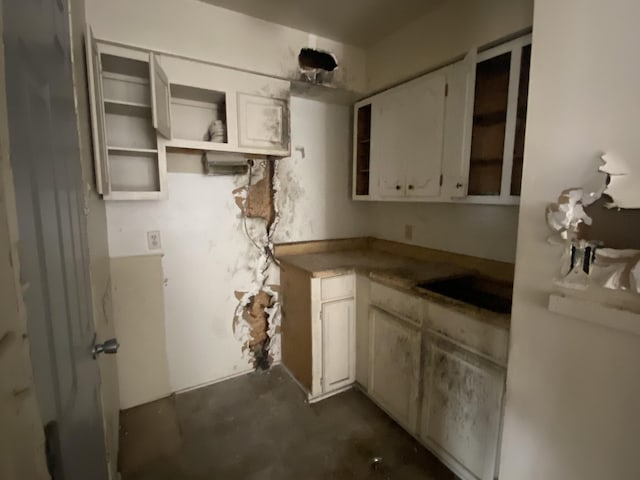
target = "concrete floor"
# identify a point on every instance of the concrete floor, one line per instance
(258, 427)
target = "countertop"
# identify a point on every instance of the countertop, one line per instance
(400, 272)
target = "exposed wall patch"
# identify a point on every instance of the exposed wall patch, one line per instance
(256, 321)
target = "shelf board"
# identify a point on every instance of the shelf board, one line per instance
(608, 316)
(127, 108)
(131, 151)
(364, 140)
(222, 147)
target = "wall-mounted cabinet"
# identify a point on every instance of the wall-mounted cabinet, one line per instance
(219, 109)
(144, 103)
(454, 135)
(128, 163)
(498, 122)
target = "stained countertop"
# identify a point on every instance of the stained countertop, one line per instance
(400, 272)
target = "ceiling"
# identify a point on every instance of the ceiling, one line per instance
(355, 22)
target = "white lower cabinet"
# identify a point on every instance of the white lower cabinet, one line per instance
(461, 408)
(394, 369)
(338, 344)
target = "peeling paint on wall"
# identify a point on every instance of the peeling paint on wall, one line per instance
(256, 321)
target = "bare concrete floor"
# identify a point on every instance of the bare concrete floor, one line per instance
(258, 427)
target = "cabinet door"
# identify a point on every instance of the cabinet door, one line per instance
(394, 370)
(462, 406)
(423, 125)
(387, 143)
(262, 122)
(160, 97)
(98, 122)
(461, 79)
(338, 344)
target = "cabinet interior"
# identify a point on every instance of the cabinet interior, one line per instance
(489, 125)
(131, 139)
(193, 110)
(134, 171)
(363, 150)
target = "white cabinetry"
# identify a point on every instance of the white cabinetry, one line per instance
(399, 139)
(125, 103)
(394, 369)
(338, 344)
(461, 408)
(454, 135)
(255, 122)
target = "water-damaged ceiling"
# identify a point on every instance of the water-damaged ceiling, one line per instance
(355, 22)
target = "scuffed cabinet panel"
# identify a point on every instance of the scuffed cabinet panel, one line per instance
(263, 122)
(461, 406)
(394, 370)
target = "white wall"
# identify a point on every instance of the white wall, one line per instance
(447, 31)
(573, 388)
(206, 253)
(477, 230)
(199, 30)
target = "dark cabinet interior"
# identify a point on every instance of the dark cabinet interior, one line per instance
(363, 149)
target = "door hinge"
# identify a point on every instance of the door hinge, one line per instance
(441, 179)
(446, 89)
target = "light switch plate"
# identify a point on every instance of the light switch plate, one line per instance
(153, 240)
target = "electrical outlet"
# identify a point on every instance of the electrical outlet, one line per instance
(408, 232)
(153, 240)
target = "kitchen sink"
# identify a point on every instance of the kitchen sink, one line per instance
(482, 292)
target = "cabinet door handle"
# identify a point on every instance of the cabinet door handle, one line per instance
(397, 187)
(458, 185)
(410, 187)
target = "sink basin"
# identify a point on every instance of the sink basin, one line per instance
(475, 290)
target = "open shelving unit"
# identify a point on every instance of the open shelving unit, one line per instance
(132, 149)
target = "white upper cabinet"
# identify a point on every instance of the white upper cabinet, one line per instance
(128, 163)
(401, 144)
(457, 127)
(496, 114)
(218, 109)
(454, 135)
(161, 97)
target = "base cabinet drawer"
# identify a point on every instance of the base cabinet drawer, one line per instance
(394, 372)
(461, 408)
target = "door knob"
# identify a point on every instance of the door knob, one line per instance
(458, 185)
(110, 347)
(397, 187)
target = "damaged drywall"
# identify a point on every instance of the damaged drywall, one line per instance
(586, 259)
(316, 66)
(256, 321)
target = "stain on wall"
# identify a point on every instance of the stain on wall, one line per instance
(256, 318)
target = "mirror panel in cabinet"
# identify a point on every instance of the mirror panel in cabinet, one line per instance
(489, 125)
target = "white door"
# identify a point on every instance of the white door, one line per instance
(388, 148)
(462, 405)
(98, 122)
(394, 371)
(338, 344)
(53, 251)
(461, 80)
(160, 97)
(423, 123)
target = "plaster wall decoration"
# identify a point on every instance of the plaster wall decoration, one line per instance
(588, 261)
